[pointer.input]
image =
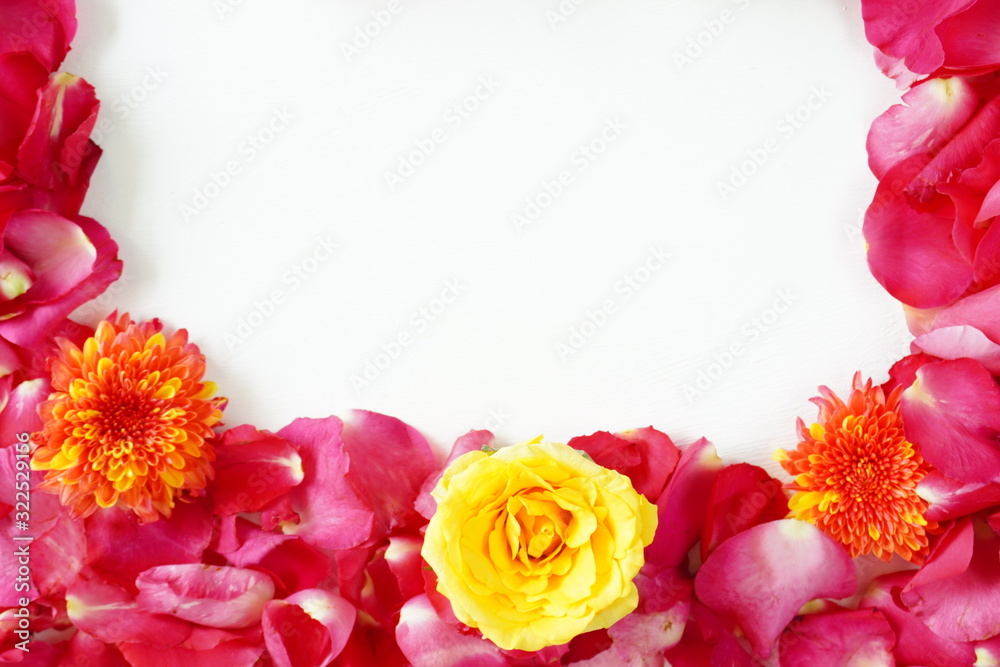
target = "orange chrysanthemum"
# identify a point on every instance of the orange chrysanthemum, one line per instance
(129, 421)
(856, 475)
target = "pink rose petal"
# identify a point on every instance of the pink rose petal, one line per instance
(743, 496)
(861, 638)
(83, 650)
(427, 641)
(217, 597)
(915, 643)
(309, 628)
(252, 468)
(957, 592)
(471, 441)
(951, 499)
(646, 456)
(762, 577)
(390, 461)
(960, 342)
(906, 31)
(330, 513)
(930, 115)
(45, 29)
(952, 411)
(110, 613)
(231, 652)
(968, 38)
(683, 505)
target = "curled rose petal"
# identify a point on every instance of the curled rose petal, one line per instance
(310, 627)
(952, 412)
(762, 577)
(218, 597)
(861, 638)
(644, 455)
(427, 641)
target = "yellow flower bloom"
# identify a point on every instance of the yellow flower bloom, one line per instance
(535, 544)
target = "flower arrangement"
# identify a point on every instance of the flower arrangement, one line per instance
(156, 536)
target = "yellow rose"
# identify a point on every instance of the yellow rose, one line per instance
(535, 544)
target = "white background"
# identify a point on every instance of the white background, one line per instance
(185, 84)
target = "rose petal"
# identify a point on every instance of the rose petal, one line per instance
(252, 468)
(234, 652)
(21, 76)
(915, 643)
(762, 577)
(646, 456)
(218, 597)
(960, 342)
(45, 29)
(120, 547)
(83, 649)
(110, 613)
(957, 592)
(390, 460)
(907, 31)
(309, 628)
(911, 252)
(861, 638)
(950, 499)
(968, 37)
(952, 411)
(470, 442)
(293, 563)
(330, 513)
(743, 496)
(427, 641)
(683, 505)
(930, 115)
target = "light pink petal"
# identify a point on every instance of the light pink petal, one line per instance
(895, 69)
(743, 496)
(58, 252)
(333, 612)
(915, 643)
(20, 415)
(31, 327)
(210, 595)
(968, 38)
(44, 29)
(950, 499)
(959, 342)
(109, 613)
(930, 115)
(639, 636)
(330, 513)
(646, 456)
(980, 310)
(952, 411)
(427, 641)
(683, 505)
(252, 468)
(861, 638)
(959, 604)
(910, 252)
(907, 31)
(389, 462)
(57, 143)
(58, 556)
(470, 442)
(762, 577)
(120, 547)
(708, 640)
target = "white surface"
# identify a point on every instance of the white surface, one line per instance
(186, 83)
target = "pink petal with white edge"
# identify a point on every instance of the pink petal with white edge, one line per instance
(210, 595)
(980, 310)
(330, 513)
(683, 505)
(110, 613)
(910, 252)
(988, 652)
(951, 499)
(915, 643)
(252, 468)
(960, 342)
(470, 442)
(762, 577)
(20, 415)
(907, 31)
(390, 461)
(56, 249)
(952, 412)
(860, 638)
(640, 639)
(930, 115)
(960, 604)
(427, 641)
(335, 613)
